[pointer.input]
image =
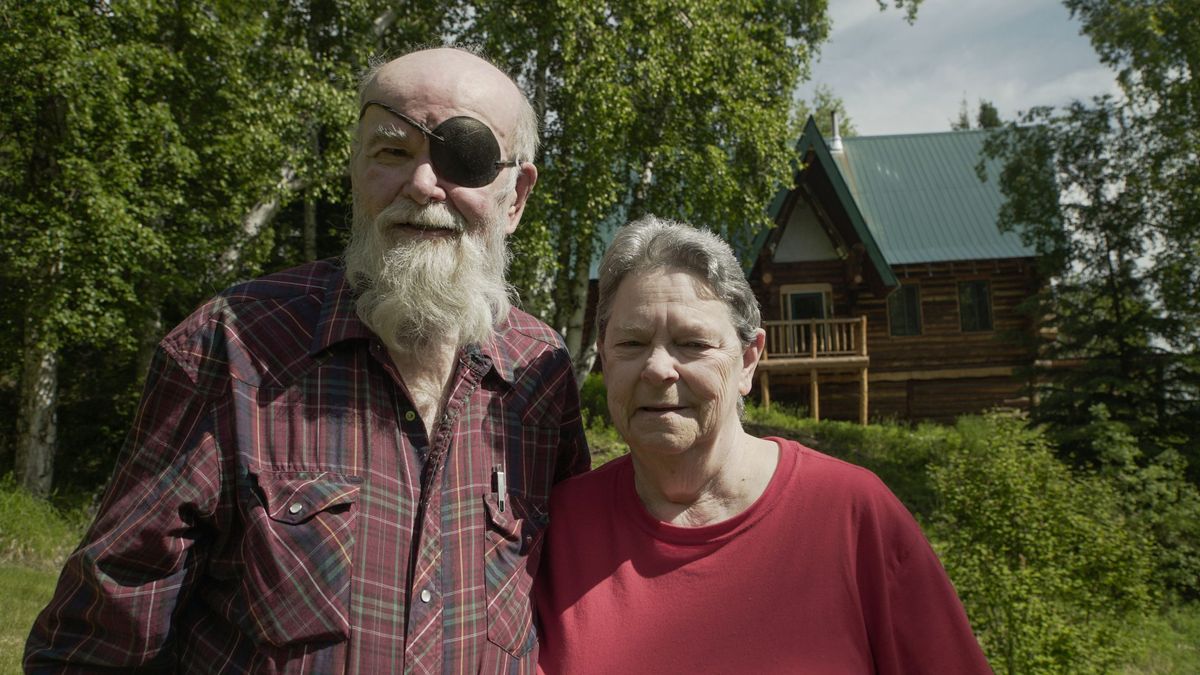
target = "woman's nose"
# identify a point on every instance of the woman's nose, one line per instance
(660, 366)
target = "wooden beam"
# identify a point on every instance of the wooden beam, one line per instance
(862, 336)
(764, 385)
(862, 397)
(815, 394)
(848, 363)
(946, 374)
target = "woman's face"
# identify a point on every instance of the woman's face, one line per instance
(673, 364)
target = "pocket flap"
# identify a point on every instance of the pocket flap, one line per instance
(294, 498)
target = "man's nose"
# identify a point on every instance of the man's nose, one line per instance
(423, 185)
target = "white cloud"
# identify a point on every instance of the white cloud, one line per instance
(896, 78)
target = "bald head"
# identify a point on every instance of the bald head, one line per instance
(447, 81)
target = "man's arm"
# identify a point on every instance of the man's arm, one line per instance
(573, 455)
(119, 591)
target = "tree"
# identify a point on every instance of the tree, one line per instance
(822, 106)
(153, 152)
(146, 149)
(987, 117)
(1105, 191)
(650, 106)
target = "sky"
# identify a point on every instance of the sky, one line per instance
(895, 78)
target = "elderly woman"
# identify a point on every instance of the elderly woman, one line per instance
(707, 550)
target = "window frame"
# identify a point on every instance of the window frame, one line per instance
(989, 305)
(920, 318)
(788, 290)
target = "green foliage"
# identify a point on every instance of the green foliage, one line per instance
(138, 139)
(32, 531)
(823, 104)
(1156, 496)
(603, 440)
(1105, 191)
(1169, 642)
(593, 399)
(682, 109)
(896, 453)
(1043, 558)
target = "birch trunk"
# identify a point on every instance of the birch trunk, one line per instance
(37, 421)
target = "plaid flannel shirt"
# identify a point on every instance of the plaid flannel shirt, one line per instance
(278, 506)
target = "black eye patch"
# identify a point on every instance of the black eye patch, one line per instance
(462, 149)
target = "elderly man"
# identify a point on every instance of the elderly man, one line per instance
(346, 467)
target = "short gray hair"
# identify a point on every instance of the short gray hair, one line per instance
(651, 243)
(525, 138)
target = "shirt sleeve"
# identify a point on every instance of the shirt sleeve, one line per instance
(574, 457)
(915, 620)
(119, 590)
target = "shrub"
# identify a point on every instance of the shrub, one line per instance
(32, 531)
(898, 454)
(1042, 557)
(593, 400)
(603, 440)
(1156, 495)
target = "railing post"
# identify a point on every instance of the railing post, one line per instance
(862, 328)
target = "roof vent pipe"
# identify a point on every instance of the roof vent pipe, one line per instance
(835, 144)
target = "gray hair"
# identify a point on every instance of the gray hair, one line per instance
(651, 243)
(525, 137)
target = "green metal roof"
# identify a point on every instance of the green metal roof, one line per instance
(922, 200)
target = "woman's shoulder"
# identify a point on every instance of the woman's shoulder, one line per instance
(590, 485)
(834, 478)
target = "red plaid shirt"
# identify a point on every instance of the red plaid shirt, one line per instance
(279, 507)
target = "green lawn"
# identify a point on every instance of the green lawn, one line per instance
(1171, 643)
(23, 593)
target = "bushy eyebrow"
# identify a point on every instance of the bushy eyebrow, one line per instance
(389, 132)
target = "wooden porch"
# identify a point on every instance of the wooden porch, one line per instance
(813, 346)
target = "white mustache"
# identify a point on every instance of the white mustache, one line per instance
(434, 216)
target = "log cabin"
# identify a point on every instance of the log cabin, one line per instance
(887, 290)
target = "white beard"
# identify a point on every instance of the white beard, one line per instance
(417, 293)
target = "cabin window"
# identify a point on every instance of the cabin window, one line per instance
(975, 306)
(904, 310)
(807, 301)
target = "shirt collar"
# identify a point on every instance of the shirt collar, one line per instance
(338, 320)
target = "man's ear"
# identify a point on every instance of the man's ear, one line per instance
(526, 179)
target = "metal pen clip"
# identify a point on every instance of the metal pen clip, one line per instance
(501, 489)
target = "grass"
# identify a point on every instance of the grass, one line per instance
(24, 591)
(34, 533)
(1170, 643)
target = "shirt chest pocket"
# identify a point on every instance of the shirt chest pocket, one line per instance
(297, 556)
(513, 546)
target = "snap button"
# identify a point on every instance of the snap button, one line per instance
(426, 596)
(295, 508)
(410, 415)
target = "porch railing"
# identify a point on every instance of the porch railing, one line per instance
(816, 338)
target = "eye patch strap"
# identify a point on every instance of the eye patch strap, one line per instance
(420, 127)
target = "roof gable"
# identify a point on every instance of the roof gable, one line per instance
(922, 198)
(912, 198)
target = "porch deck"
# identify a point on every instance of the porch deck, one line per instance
(812, 346)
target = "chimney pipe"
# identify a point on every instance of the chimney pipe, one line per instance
(835, 143)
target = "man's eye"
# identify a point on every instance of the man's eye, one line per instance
(392, 153)
(696, 344)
